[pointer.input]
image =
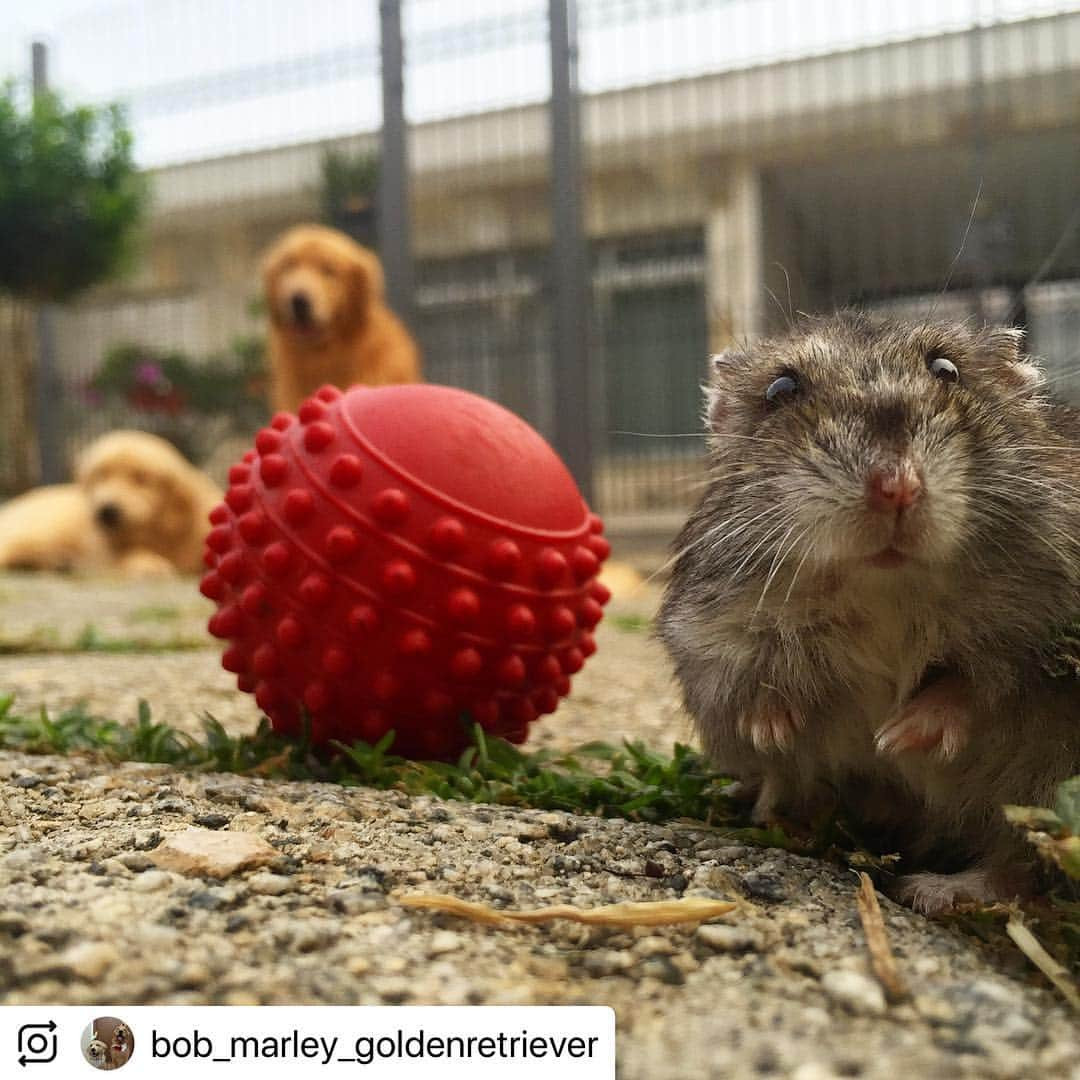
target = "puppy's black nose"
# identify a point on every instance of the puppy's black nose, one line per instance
(301, 308)
(108, 515)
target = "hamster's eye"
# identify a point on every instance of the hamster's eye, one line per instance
(943, 369)
(782, 389)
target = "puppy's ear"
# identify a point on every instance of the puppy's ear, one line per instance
(81, 469)
(270, 262)
(178, 507)
(366, 284)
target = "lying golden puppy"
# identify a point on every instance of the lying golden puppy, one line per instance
(137, 507)
(52, 528)
(328, 320)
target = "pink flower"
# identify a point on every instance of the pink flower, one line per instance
(149, 374)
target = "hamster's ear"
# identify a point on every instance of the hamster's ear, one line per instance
(1021, 373)
(718, 389)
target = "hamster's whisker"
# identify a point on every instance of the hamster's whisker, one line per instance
(1056, 488)
(726, 539)
(661, 434)
(750, 438)
(1060, 552)
(704, 540)
(775, 568)
(764, 540)
(798, 569)
(1067, 449)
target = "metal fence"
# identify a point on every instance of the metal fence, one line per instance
(738, 160)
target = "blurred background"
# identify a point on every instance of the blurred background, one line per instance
(570, 220)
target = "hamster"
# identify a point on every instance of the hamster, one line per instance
(888, 539)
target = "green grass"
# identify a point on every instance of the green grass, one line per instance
(628, 781)
(155, 613)
(92, 640)
(633, 624)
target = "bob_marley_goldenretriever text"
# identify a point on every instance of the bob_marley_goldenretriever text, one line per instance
(329, 322)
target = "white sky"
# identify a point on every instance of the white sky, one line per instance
(209, 77)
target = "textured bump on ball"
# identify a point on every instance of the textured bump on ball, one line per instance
(273, 469)
(466, 664)
(276, 558)
(219, 538)
(551, 568)
(299, 506)
(315, 590)
(363, 619)
(290, 632)
(347, 471)
(239, 498)
(311, 410)
(253, 526)
(390, 507)
(342, 543)
(447, 537)
(463, 606)
(398, 577)
(521, 621)
(503, 559)
(268, 441)
(318, 436)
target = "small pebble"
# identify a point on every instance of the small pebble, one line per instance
(89, 960)
(212, 821)
(855, 991)
(206, 853)
(152, 881)
(267, 884)
(607, 962)
(662, 968)
(761, 885)
(444, 941)
(730, 939)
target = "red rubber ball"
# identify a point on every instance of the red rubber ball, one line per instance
(400, 558)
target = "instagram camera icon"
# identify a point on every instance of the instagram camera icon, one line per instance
(37, 1043)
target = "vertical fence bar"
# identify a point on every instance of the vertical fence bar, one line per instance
(47, 390)
(570, 271)
(395, 248)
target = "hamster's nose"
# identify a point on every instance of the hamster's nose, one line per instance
(893, 488)
(108, 515)
(300, 305)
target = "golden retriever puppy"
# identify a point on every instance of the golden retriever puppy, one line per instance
(329, 322)
(150, 503)
(52, 528)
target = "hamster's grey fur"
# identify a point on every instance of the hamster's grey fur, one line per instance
(888, 539)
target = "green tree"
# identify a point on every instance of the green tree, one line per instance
(349, 185)
(70, 201)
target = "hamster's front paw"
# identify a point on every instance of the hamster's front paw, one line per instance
(934, 894)
(770, 726)
(936, 720)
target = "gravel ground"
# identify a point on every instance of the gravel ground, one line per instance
(781, 987)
